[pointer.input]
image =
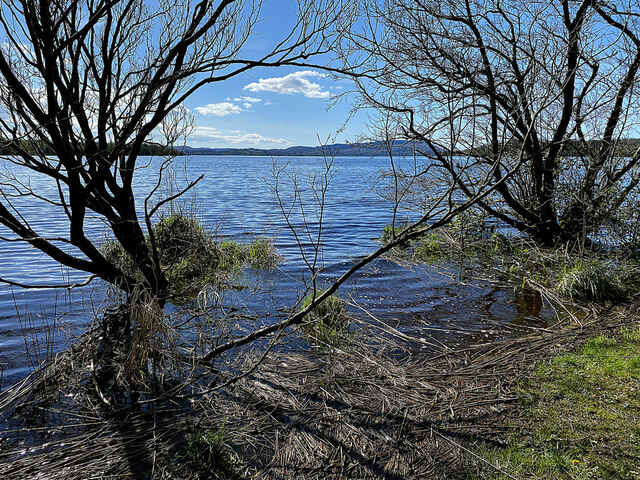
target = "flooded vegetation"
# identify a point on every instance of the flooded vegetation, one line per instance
(464, 306)
(419, 346)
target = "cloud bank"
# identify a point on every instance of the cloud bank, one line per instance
(214, 137)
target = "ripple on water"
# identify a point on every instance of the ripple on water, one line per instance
(234, 198)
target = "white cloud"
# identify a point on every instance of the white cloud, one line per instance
(213, 136)
(219, 109)
(247, 105)
(247, 99)
(289, 84)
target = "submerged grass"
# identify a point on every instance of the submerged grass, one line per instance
(193, 257)
(328, 323)
(582, 413)
(258, 252)
(577, 275)
(206, 454)
(430, 247)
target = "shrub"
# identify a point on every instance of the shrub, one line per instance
(429, 247)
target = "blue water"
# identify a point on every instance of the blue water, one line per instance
(236, 197)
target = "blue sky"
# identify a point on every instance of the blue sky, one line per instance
(272, 107)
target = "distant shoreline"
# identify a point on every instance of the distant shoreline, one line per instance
(334, 150)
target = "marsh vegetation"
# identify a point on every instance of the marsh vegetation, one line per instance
(516, 113)
(192, 257)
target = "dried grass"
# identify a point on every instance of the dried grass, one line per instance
(321, 415)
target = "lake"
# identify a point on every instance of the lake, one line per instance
(236, 197)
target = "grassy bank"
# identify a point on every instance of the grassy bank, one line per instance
(581, 414)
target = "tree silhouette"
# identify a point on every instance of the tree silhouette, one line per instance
(86, 86)
(530, 97)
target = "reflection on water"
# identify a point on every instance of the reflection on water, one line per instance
(528, 303)
(235, 197)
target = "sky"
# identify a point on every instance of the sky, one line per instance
(272, 107)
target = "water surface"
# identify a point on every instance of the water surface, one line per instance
(236, 197)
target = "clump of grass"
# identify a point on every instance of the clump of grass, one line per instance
(590, 281)
(181, 236)
(582, 410)
(261, 253)
(219, 262)
(193, 257)
(390, 232)
(628, 274)
(258, 253)
(207, 455)
(115, 254)
(328, 323)
(601, 277)
(430, 247)
(187, 252)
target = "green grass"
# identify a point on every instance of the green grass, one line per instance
(590, 280)
(429, 247)
(464, 237)
(193, 257)
(181, 236)
(328, 324)
(389, 233)
(207, 455)
(575, 275)
(258, 253)
(583, 416)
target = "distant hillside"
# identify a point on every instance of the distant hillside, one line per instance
(336, 149)
(17, 147)
(625, 147)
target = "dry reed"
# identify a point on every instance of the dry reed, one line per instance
(361, 413)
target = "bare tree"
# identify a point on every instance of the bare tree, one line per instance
(85, 84)
(548, 87)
